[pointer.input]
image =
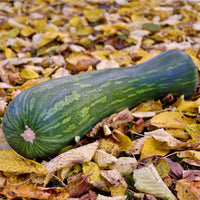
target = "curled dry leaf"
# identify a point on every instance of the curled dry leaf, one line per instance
(78, 155)
(61, 72)
(113, 176)
(162, 136)
(103, 159)
(106, 64)
(144, 114)
(122, 117)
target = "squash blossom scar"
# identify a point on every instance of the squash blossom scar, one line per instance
(28, 135)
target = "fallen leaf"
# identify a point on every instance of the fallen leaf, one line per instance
(118, 190)
(137, 145)
(150, 106)
(92, 170)
(152, 147)
(3, 142)
(27, 31)
(125, 165)
(77, 185)
(162, 136)
(176, 170)
(93, 15)
(191, 175)
(143, 114)
(60, 73)
(102, 197)
(171, 119)
(189, 154)
(113, 177)
(106, 64)
(178, 133)
(32, 82)
(28, 73)
(125, 141)
(111, 145)
(14, 163)
(78, 155)
(122, 117)
(184, 191)
(162, 167)
(89, 196)
(103, 159)
(148, 180)
(194, 187)
(23, 191)
(19, 61)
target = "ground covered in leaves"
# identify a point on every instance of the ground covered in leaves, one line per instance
(149, 152)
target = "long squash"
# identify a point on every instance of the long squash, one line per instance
(45, 118)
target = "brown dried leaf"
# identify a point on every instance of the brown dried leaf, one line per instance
(78, 155)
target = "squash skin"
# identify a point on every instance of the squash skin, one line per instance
(62, 108)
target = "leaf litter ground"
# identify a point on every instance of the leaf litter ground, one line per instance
(149, 152)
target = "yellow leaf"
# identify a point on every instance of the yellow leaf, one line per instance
(192, 130)
(13, 33)
(171, 119)
(39, 25)
(178, 133)
(14, 179)
(14, 163)
(148, 106)
(32, 82)
(162, 167)
(121, 57)
(51, 35)
(188, 106)
(25, 191)
(147, 57)
(152, 148)
(118, 190)
(169, 142)
(110, 145)
(189, 154)
(92, 170)
(93, 15)
(27, 73)
(126, 143)
(27, 31)
(183, 190)
(125, 11)
(9, 53)
(81, 26)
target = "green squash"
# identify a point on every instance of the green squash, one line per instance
(43, 119)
